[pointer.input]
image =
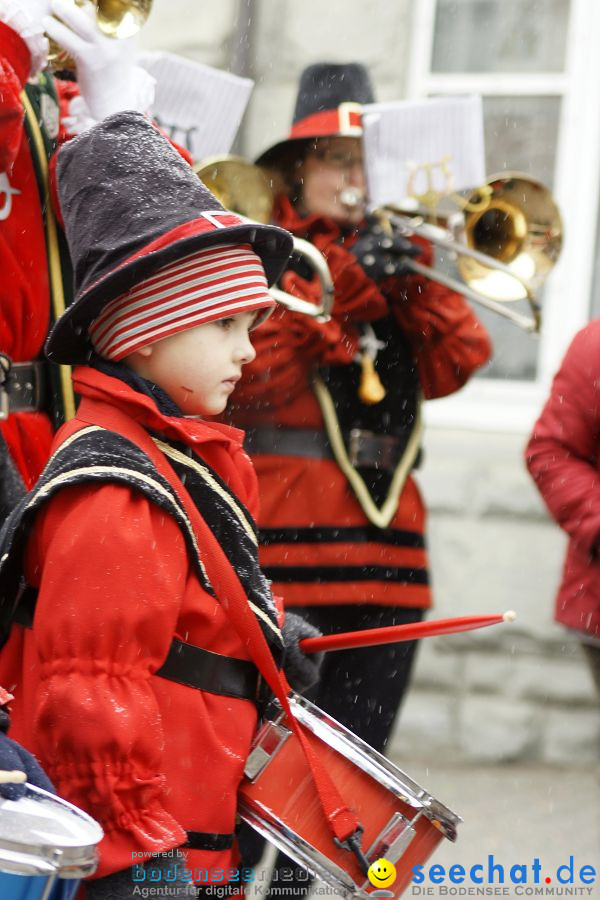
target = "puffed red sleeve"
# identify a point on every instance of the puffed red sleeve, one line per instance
(562, 453)
(448, 340)
(113, 576)
(14, 68)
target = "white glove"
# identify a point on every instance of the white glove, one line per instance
(106, 72)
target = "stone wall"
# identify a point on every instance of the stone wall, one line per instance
(509, 692)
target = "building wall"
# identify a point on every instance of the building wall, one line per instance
(510, 692)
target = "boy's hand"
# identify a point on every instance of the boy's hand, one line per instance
(13, 757)
(301, 669)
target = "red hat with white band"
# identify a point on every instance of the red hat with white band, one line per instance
(329, 104)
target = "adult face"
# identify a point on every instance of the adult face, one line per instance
(333, 180)
(200, 367)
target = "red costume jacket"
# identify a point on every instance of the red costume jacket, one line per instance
(24, 287)
(349, 560)
(563, 456)
(149, 758)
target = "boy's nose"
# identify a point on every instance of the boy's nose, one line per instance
(245, 351)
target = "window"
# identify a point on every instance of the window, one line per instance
(537, 68)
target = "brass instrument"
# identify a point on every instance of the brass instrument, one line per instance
(246, 190)
(115, 18)
(513, 233)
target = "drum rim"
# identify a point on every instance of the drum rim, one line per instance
(374, 764)
(70, 862)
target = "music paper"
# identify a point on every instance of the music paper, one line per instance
(413, 146)
(199, 107)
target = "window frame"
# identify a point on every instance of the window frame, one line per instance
(507, 404)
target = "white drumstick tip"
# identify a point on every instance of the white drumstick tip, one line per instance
(12, 776)
(509, 616)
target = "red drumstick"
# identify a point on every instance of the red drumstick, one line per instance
(410, 632)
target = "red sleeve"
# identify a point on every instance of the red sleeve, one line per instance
(562, 453)
(103, 625)
(289, 345)
(14, 68)
(448, 340)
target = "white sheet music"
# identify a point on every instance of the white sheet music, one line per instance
(199, 107)
(417, 145)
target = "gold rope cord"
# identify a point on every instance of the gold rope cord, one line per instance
(379, 516)
(56, 285)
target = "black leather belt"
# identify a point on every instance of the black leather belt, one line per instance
(206, 671)
(365, 448)
(22, 386)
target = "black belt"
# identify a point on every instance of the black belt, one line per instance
(206, 671)
(365, 448)
(185, 663)
(23, 386)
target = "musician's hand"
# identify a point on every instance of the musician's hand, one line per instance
(107, 76)
(13, 757)
(301, 669)
(383, 255)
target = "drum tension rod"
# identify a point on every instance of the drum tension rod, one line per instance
(353, 843)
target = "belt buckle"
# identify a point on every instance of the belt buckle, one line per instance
(355, 440)
(5, 366)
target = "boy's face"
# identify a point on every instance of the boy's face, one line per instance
(200, 367)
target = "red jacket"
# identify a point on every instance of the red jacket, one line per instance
(149, 758)
(24, 287)
(448, 344)
(563, 456)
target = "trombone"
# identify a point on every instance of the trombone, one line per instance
(245, 189)
(513, 232)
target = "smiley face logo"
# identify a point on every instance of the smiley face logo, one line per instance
(382, 873)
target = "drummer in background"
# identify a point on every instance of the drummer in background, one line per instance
(326, 553)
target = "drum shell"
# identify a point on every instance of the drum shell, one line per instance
(283, 796)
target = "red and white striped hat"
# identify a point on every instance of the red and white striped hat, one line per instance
(206, 285)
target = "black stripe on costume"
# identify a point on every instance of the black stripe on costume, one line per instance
(362, 534)
(205, 840)
(324, 574)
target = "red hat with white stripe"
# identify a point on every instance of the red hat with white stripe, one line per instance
(329, 104)
(207, 285)
(153, 250)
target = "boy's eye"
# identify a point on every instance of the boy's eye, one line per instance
(225, 323)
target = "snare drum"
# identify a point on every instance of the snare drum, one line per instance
(46, 847)
(401, 821)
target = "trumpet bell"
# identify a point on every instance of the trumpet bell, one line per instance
(239, 185)
(115, 18)
(516, 222)
(122, 18)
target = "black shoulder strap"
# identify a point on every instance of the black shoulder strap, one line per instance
(92, 455)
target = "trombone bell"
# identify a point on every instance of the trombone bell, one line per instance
(515, 222)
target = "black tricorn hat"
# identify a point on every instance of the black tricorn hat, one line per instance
(131, 204)
(329, 101)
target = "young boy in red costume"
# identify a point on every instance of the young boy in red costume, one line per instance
(136, 685)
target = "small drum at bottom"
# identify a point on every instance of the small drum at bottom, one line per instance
(46, 847)
(401, 822)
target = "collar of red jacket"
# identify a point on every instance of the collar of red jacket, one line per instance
(97, 387)
(288, 217)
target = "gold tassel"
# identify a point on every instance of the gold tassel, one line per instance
(370, 389)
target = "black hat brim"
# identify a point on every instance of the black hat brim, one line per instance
(68, 343)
